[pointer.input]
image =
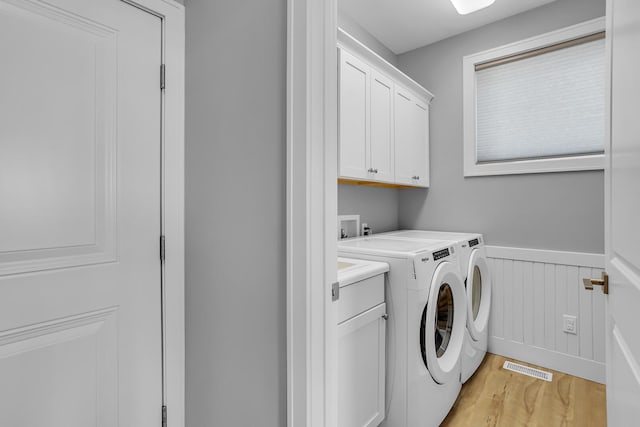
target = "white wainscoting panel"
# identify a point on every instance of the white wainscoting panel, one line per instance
(532, 290)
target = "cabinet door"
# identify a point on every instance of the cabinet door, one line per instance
(382, 132)
(353, 116)
(420, 144)
(361, 369)
(411, 139)
(403, 125)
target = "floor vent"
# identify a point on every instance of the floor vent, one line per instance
(525, 370)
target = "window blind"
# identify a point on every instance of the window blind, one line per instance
(548, 105)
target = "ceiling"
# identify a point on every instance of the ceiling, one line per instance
(404, 25)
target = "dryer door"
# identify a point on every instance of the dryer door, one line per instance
(443, 324)
(478, 294)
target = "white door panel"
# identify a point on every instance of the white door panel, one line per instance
(361, 369)
(403, 137)
(80, 326)
(420, 144)
(354, 126)
(622, 225)
(56, 169)
(382, 146)
(624, 376)
(57, 368)
(411, 139)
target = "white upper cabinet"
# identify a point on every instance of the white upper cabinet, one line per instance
(382, 131)
(383, 126)
(412, 139)
(355, 82)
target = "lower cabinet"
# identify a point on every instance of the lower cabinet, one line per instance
(361, 369)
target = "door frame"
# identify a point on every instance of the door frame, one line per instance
(607, 183)
(312, 159)
(172, 16)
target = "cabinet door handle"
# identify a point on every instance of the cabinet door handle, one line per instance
(385, 316)
(372, 170)
(415, 177)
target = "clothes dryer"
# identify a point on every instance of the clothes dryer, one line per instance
(427, 313)
(475, 272)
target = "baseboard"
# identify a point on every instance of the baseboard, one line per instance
(572, 365)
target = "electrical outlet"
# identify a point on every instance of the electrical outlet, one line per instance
(570, 324)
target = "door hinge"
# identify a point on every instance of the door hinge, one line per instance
(162, 248)
(335, 291)
(164, 416)
(162, 76)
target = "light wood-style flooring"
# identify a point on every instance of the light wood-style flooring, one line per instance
(497, 397)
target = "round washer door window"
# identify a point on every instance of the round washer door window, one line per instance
(444, 319)
(478, 294)
(443, 323)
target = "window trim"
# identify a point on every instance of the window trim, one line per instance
(523, 166)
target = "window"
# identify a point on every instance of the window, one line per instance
(537, 105)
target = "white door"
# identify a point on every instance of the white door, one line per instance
(80, 309)
(382, 147)
(403, 136)
(420, 144)
(354, 116)
(411, 139)
(623, 217)
(361, 369)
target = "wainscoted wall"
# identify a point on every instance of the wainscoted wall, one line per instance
(532, 290)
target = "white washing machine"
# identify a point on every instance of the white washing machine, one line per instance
(475, 272)
(426, 304)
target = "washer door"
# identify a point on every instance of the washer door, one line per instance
(443, 323)
(478, 294)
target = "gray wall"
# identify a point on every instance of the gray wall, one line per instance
(235, 213)
(378, 207)
(562, 211)
(363, 36)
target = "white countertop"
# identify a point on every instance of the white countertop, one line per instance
(352, 270)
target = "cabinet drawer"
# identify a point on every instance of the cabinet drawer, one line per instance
(360, 296)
